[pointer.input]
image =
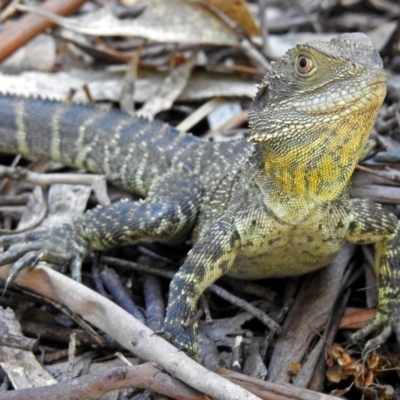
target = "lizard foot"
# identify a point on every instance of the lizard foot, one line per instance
(386, 320)
(59, 245)
(184, 339)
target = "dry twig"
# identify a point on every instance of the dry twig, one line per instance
(92, 386)
(126, 330)
(30, 25)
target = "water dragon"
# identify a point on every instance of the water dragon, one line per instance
(275, 205)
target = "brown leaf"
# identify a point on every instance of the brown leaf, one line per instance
(192, 24)
(294, 368)
(239, 12)
(334, 374)
(356, 319)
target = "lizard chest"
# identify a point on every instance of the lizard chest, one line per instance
(273, 248)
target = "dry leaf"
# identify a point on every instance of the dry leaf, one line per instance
(294, 368)
(21, 366)
(172, 21)
(239, 12)
(106, 86)
(172, 87)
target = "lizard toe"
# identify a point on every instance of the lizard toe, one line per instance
(15, 253)
(386, 322)
(377, 340)
(396, 329)
(183, 341)
(75, 266)
(12, 239)
(28, 260)
(61, 245)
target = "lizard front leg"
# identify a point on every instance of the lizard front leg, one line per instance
(370, 223)
(211, 257)
(168, 213)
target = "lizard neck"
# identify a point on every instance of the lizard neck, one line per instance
(301, 170)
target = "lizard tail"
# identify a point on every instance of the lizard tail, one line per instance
(131, 149)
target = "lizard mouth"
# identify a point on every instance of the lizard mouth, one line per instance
(366, 99)
(360, 96)
(377, 84)
(377, 81)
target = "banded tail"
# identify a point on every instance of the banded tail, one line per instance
(91, 138)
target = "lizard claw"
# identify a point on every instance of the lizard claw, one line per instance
(59, 245)
(28, 260)
(169, 338)
(387, 320)
(184, 339)
(378, 340)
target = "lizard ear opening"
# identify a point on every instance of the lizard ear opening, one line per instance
(261, 99)
(259, 103)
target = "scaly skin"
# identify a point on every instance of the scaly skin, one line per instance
(277, 205)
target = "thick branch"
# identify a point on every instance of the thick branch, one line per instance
(126, 330)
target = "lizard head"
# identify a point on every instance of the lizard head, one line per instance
(323, 85)
(311, 119)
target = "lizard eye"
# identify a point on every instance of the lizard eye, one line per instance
(304, 64)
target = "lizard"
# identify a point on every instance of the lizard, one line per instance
(273, 205)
